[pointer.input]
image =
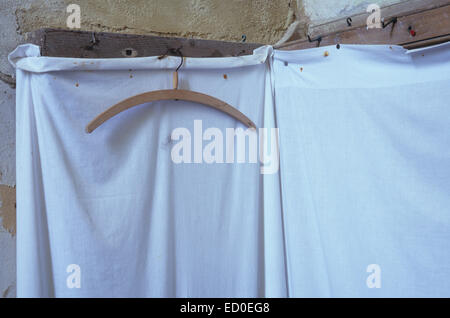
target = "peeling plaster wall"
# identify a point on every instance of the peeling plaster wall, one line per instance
(262, 21)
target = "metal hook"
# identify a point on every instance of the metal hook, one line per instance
(92, 43)
(349, 21)
(318, 39)
(175, 74)
(393, 21)
(181, 64)
(94, 40)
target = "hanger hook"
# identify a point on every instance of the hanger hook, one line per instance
(175, 74)
(181, 64)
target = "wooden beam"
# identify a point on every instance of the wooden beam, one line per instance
(83, 44)
(430, 20)
(404, 8)
(430, 26)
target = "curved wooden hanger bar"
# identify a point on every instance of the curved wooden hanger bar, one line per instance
(169, 94)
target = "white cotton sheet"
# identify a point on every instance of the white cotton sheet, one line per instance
(113, 202)
(365, 170)
(364, 139)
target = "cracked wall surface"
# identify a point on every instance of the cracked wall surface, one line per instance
(262, 21)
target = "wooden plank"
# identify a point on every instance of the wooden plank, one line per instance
(430, 24)
(83, 44)
(430, 21)
(428, 42)
(407, 7)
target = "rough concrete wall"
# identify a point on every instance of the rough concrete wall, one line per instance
(9, 40)
(262, 21)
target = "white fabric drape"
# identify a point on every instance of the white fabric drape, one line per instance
(113, 202)
(365, 170)
(364, 177)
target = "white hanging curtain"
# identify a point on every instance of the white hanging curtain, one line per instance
(358, 207)
(365, 170)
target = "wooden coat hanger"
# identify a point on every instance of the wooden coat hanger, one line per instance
(169, 94)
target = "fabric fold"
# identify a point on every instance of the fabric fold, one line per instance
(27, 57)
